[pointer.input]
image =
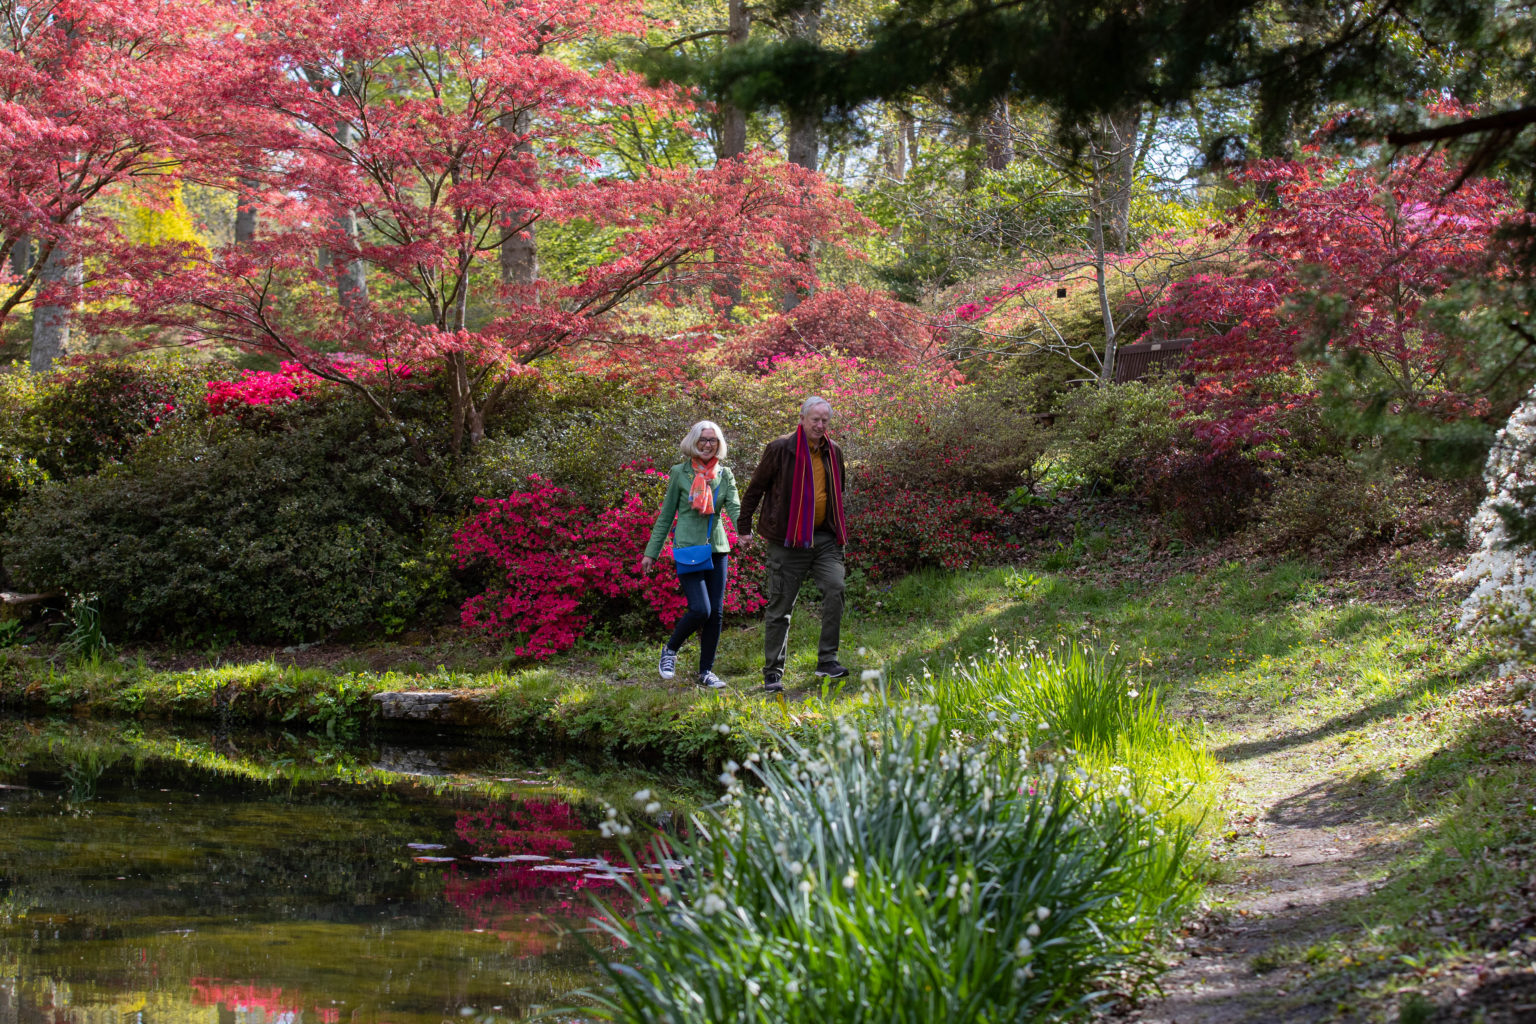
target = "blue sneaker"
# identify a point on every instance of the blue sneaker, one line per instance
(710, 681)
(668, 666)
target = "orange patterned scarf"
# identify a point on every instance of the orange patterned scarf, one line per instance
(699, 495)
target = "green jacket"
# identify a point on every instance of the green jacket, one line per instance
(691, 525)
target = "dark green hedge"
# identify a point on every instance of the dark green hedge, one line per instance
(307, 524)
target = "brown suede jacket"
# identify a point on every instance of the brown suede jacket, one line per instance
(771, 484)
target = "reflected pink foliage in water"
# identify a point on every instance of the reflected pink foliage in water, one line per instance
(244, 996)
(517, 900)
(534, 826)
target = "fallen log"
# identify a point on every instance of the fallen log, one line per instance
(14, 600)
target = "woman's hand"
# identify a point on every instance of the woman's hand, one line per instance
(647, 563)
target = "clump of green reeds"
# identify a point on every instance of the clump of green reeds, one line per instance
(1084, 704)
(898, 870)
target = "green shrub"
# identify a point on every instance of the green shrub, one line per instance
(984, 437)
(306, 524)
(1331, 505)
(82, 416)
(1110, 433)
(586, 449)
(1130, 438)
(586, 431)
(897, 873)
(79, 417)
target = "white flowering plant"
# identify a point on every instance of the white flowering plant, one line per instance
(1502, 568)
(894, 871)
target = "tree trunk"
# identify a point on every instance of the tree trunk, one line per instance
(1106, 312)
(351, 273)
(245, 212)
(519, 252)
(801, 145)
(998, 133)
(733, 120)
(1120, 145)
(21, 257)
(62, 275)
(733, 146)
(899, 162)
(801, 150)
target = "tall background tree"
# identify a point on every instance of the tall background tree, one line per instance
(420, 154)
(94, 96)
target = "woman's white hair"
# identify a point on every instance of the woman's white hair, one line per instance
(690, 444)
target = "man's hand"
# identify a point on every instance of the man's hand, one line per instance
(745, 542)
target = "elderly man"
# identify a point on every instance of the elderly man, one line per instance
(799, 484)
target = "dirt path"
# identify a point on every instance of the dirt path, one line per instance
(1300, 856)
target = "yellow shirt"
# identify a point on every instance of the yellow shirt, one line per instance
(819, 475)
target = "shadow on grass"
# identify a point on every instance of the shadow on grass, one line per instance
(1370, 795)
(1384, 708)
(1187, 625)
(1458, 892)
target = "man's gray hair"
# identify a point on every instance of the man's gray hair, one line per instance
(690, 443)
(812, 402)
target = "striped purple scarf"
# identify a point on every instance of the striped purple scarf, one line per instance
(802, 495)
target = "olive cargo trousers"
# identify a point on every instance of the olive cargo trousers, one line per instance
(787, 567)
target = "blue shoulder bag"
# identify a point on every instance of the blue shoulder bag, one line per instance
(699, 557)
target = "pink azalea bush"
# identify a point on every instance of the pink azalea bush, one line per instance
(554, 566)
(290, 382)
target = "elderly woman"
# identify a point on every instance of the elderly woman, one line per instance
(699, 489)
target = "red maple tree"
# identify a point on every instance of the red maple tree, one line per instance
(94, 94)
(847, 321)
(1341, 261)
(414, 141)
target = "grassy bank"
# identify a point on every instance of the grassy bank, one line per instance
(1218, 644)
(78, 754)
(1336, 699)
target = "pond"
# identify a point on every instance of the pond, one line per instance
(259, 880)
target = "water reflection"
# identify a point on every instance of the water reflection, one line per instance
(154, 890)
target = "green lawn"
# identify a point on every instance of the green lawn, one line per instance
(1344, 695)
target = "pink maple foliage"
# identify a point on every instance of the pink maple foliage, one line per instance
(1341, 260)
(94, 95)
(438, 129)
(848, 321)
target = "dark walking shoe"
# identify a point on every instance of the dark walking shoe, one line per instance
(710, 681)
(668, 666)
(832, 671)
(772, 683)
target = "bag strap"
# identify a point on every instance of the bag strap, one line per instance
(709, 534)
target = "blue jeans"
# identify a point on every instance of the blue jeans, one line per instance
(705, 592)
